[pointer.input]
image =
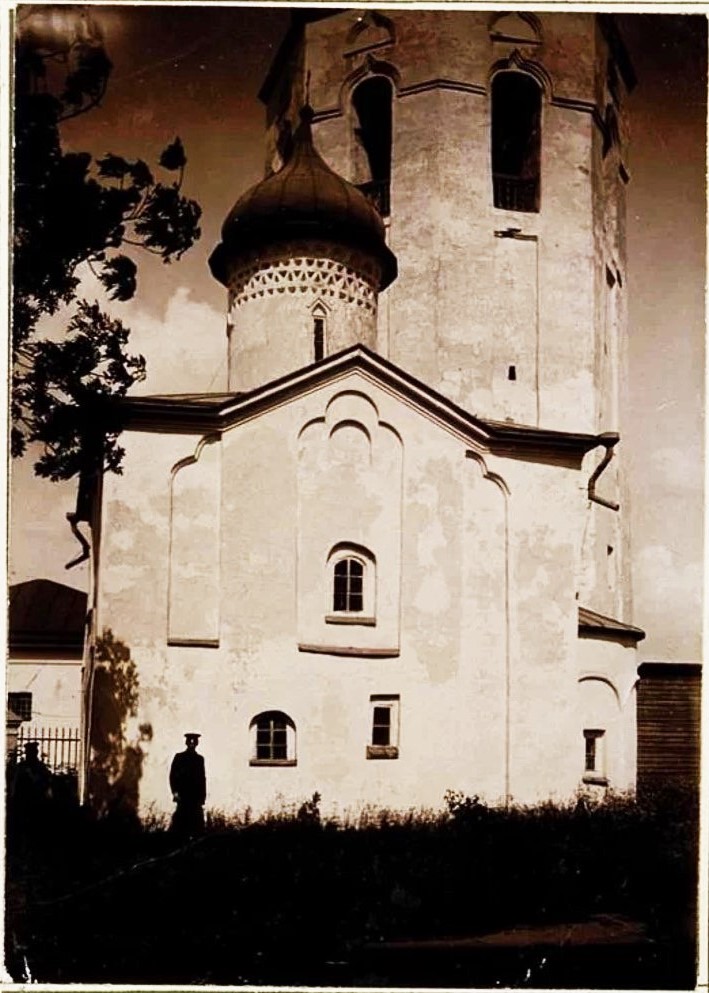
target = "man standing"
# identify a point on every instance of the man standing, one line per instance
(189, 789)
(30, 795)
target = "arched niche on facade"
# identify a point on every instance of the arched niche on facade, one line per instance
(519, 28)
(194, 579)
(600, 729)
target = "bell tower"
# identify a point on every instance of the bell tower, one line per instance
(494, 146)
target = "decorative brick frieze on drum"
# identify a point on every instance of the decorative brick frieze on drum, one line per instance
(353, 279)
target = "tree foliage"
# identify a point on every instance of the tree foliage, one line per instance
(70, 210)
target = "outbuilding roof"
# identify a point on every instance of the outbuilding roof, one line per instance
(594, 625)
(45, 614)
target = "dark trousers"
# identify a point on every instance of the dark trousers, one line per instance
(188, 819)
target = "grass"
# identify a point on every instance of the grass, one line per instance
(294, 898)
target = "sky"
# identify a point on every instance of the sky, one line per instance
(195, 72)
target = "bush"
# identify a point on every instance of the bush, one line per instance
(279, 896)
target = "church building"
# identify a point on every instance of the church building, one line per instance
(393, 559)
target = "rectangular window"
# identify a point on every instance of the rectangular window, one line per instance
(594, 759)
(319, 338)
(21, 704)
(381, 727)
(384, 742)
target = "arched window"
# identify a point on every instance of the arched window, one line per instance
(371, 103)
(516, 141)
(273, 739)
(348, 586)
(352, 585)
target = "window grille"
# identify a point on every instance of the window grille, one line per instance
(516, 141)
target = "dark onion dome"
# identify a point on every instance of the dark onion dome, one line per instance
(305, 200)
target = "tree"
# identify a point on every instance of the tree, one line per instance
(69, 211)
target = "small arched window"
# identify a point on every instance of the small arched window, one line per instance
(352, 586)
(371, 103)
(348, 586)
(516, 141)
(273, 739)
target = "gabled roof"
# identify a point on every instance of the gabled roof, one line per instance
(46, 615)
(593, 625)
(215, 412)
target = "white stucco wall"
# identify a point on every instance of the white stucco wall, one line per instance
(55, 685)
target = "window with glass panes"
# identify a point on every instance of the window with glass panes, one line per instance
(348, 590)
(384, 742)
(21, 704)
(381, 726)
(271, 737)
(592, 739)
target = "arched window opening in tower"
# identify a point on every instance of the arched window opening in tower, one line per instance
(371, 102)
(516, 141)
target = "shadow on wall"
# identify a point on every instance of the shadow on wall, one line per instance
(116, 762)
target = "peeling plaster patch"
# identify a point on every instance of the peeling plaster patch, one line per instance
(430, 539)
(124, 540)
(119, 578)
(562, 396)
(193, 521)
(433, 596)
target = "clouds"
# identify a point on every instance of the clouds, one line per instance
(668, 595)
(185, 348)
(184, 342)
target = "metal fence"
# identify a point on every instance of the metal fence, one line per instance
(59, 748)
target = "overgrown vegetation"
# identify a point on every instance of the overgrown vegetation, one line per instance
(300, 899)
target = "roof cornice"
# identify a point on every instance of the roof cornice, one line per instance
(214, 413)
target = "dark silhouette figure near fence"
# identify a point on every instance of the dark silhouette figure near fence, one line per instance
(189, 789)
(30, 794)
